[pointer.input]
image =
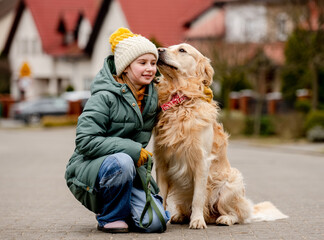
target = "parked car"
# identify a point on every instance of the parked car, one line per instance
(34, 110)
(73, 96)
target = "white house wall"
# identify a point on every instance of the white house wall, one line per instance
(114, 19)
(77, 73)
(245, 23)
(26, 47)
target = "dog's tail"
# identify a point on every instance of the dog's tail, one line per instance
(266, 211)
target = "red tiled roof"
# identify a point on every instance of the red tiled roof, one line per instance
(70, 18)
(163, 20)
(212, 26)
(47, 14)
(275, 52)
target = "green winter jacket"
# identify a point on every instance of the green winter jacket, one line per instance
(111, 122)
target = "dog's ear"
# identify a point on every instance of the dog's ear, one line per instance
(206, 71)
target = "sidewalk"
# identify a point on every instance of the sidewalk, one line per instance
(10, 124)
(36, 204)
(301, 147)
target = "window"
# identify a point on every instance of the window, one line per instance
(68, 38)
(282, 26)
(29, 46)
(34, 46)
(249, 29)
(24, 46)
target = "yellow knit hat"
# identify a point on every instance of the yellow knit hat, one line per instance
(119, 35)
(127, 46)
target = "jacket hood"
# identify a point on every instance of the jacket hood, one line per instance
(104, 81)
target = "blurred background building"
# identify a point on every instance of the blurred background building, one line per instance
(64, 43)
(267, 54)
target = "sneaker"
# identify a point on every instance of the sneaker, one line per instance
(114, 227)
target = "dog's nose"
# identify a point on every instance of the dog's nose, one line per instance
(160, 50)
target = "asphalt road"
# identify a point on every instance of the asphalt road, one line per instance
(36, 204)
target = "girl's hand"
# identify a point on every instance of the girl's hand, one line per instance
(143, 157)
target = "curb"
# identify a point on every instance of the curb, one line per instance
(306, 149)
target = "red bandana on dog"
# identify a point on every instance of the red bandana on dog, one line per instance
(176, 99)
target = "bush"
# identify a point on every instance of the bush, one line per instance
(303, 106)
(289, 125)
(69, 88)
(314, 118)
(59, 121)
(302, 51)
(267, 127)
(233, 122)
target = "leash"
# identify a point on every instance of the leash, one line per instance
(150, 204)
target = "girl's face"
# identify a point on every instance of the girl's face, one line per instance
(142, 70)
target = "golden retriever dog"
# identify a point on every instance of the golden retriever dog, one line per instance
(190, 147)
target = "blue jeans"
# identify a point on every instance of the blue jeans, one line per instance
(119, 200)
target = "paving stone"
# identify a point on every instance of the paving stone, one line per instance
(36, 204)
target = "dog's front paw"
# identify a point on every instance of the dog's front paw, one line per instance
(179, 219)
(198, 223)
(226, 220)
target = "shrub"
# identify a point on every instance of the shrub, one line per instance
(69, 88)
(303, 106)
(249, 126)
(59, 121)
(267, 127)
(289, 125)
(233, 122)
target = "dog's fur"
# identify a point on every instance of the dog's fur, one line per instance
(190, 146)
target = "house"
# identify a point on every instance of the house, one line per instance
(241, 23)
(251, 33)
(63, 43)
(45, 38)
(238, 30)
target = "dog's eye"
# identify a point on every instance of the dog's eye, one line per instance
(182, 50)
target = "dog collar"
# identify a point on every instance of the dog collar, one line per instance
(176, 99)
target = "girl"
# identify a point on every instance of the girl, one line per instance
(111, 136)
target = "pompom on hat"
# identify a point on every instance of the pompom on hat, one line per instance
(127, 46)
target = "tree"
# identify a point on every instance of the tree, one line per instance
(232, 76)
(305, 53)
(304, 64)
(259, 67)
